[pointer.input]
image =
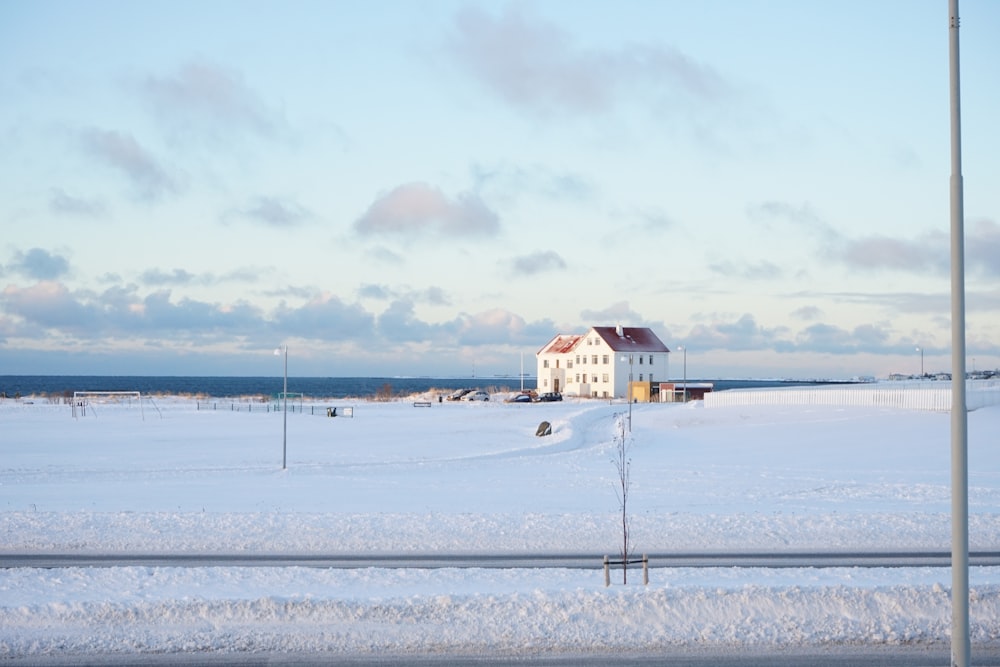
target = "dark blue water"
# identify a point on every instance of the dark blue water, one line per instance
(314, 387)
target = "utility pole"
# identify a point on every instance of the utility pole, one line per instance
(960, 639)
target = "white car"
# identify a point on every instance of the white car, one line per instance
(477, 396)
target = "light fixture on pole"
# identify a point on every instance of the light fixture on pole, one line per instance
(629, 359)
(685, 351)
(284, 397)
(921, 351)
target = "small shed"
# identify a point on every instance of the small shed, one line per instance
(674, 392)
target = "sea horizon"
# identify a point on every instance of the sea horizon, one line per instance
(310, 386)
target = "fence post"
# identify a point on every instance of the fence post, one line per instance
(607, 572)
(645, 570)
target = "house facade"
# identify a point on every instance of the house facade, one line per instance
(599, 363)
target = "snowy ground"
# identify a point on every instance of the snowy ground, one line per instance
(474, 478)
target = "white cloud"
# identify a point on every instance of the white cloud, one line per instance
(535, 66)
(39, 264)
(149, 178)
(418, 208)
(542, 261)
(207, 92)
(61, 202)
(274, 212)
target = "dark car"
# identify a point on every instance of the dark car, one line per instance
(550, 396)
(520, 398)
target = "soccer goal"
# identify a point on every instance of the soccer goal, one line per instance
(86, 400)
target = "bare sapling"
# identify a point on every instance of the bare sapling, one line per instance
(623, 463)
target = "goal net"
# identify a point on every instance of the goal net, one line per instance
(87, 400)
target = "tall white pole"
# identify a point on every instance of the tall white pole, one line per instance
(284, 396)
(685, 374)
(683, 348)
(630, 393)
(284, 428)
(960, 641)
(630, 359)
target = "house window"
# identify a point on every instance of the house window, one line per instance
(593, 359)
(557, 363)
(569, 363)
(578, 358)
(650, 360)
(578, 378)
(604, 360)
(545, 382)
(604, 378)
(640, 377)
(545, 364)
(585, 378)
(640, 360)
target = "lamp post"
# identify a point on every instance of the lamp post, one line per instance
(921, 351)
(284, 397)
(629, 359)
(685, 351)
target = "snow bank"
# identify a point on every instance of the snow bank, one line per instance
(373, 611)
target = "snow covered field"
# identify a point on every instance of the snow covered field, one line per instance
(474, 478)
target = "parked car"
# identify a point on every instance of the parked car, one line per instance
(458, 394)
(479, 395)
(550, 396)
(520, 398)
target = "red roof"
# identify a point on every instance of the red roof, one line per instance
(561, 344)
(638, 339)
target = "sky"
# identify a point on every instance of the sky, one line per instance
(440, 188)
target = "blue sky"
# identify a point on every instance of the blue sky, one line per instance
(438, 188)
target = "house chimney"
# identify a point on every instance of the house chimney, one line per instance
(618, 329)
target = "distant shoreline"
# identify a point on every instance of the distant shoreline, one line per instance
(313, 387)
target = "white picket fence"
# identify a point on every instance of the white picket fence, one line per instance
(928, 395)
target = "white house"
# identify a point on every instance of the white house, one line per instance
(601, 362)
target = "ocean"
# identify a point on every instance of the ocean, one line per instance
(312, 387)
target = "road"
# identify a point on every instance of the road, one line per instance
(776, 559)
(851, 656)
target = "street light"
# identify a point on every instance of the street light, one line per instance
(629, 359)
(284, 396)
(921, 351)
(685, 351)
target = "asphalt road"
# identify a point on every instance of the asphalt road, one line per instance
(853, 656)
(902, 558)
